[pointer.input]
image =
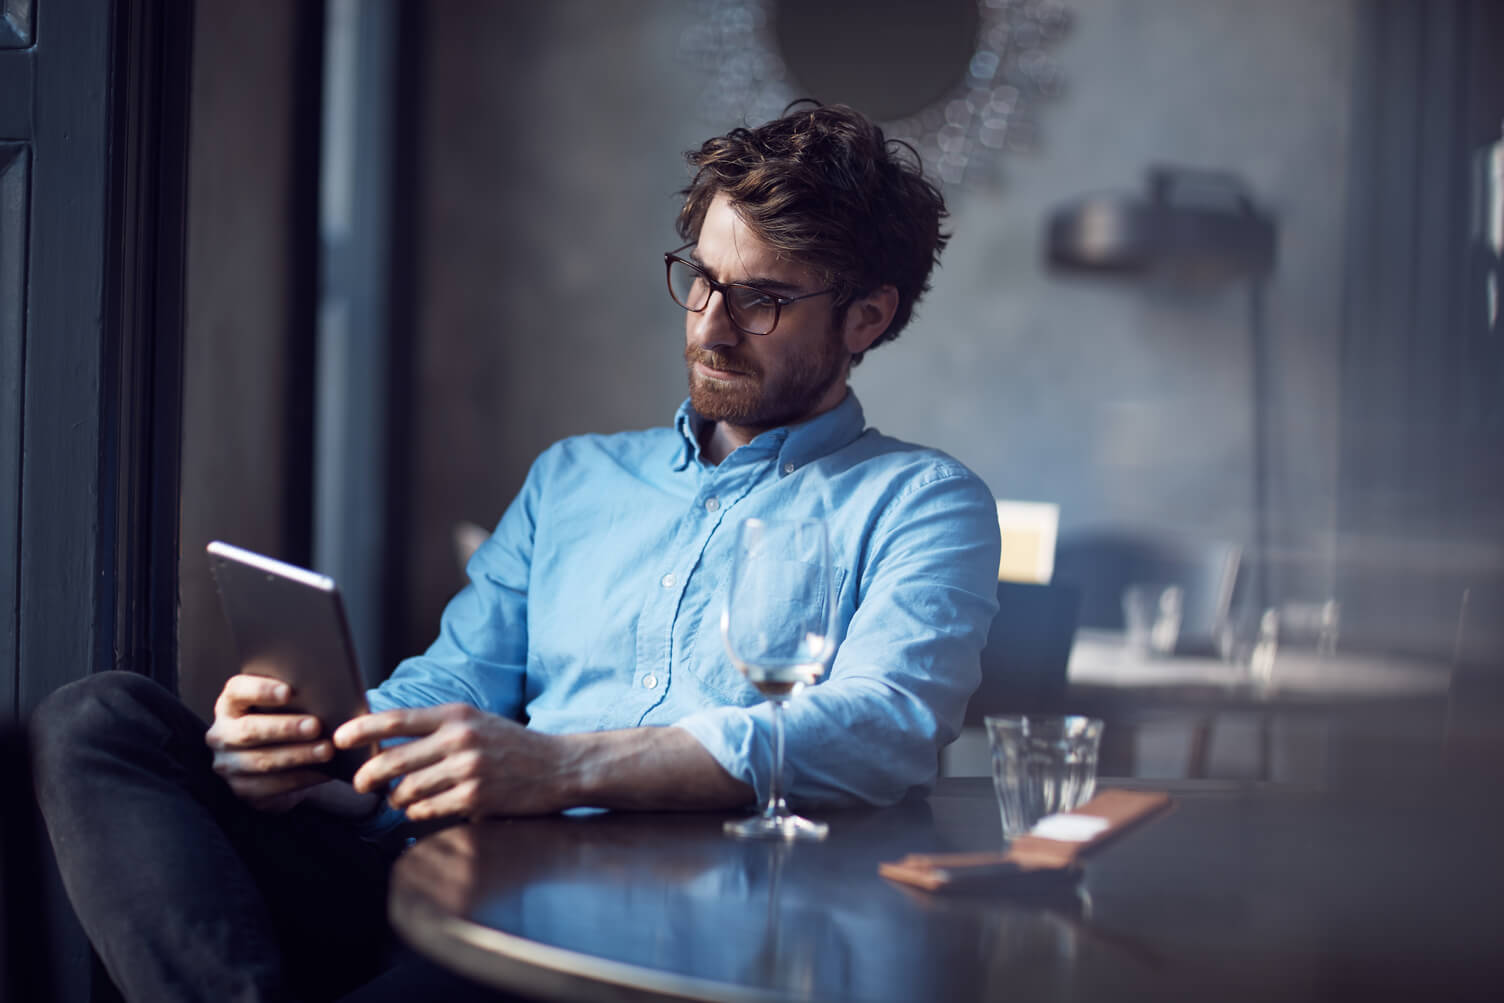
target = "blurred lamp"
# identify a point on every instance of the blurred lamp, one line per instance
(1195, 225)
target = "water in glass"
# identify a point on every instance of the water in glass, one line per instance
(1041, 765)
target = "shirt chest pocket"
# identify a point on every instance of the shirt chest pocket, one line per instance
(709, 663)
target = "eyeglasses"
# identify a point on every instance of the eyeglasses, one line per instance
(751, 310)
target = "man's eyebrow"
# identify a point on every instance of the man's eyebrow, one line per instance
(776, 286)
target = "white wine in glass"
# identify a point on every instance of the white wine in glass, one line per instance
(779, 631)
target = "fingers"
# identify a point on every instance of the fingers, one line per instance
(448, 772)
(266, 758)
(448, 731)
(380, 770)
(241, 723)
(243, 692)
(408, 722)
(254, 730)
(457, 801)
(230, 762)
(461, 762)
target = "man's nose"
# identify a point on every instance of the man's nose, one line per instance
(711, 327)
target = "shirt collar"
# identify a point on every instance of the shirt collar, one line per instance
(795, 445)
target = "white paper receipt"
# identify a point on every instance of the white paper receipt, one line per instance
(1067, 828)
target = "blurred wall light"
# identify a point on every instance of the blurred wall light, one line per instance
(1195, 225)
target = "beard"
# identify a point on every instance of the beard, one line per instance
(751, 397)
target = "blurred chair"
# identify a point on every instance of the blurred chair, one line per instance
(1023, 667)
(1103, 563)
(467, 537)
(1028, 650)
(1029, 642)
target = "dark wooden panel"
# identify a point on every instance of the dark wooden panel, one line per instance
(56, 575)
(14, 189)
(141, 426)
(65, 580)
(91, 515)
(15, 24)
(15, 95)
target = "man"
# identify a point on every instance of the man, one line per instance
(583, 665)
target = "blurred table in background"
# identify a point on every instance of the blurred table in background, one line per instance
(1244, 891)
(1102, 665)
(1317, 718)
(1129, 687)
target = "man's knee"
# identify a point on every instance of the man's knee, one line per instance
(107, 707)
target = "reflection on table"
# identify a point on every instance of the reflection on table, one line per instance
(666, 903)
(1241, 892)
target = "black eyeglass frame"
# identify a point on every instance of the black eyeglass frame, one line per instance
(779, 302)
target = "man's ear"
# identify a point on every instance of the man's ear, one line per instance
(868, 317)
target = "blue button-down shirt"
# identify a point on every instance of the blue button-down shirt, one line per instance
(596, 602)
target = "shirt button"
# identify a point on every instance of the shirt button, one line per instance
(788, 468)
(649, 681)
(712, 503)
(667, 581)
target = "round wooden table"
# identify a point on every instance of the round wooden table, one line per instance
(1239, 893)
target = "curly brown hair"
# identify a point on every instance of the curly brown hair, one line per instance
(824, 186)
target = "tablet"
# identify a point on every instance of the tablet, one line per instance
(288, 623)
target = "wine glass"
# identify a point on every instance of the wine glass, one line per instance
(778, 627)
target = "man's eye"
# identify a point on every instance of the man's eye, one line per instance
(748, 298)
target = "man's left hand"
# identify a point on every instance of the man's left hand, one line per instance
(462, 762)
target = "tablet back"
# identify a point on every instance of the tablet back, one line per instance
(288, 623)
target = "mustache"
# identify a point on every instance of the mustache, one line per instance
(715, 359)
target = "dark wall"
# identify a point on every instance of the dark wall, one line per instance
(551, 145)
(247, 427)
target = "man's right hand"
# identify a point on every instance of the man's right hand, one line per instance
(265, 756)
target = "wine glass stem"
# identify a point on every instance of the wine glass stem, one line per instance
(775, 808)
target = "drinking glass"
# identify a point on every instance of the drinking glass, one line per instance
(1041, 764)
(779, 631)
(1151, 618)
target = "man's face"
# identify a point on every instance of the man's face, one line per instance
(752, 381)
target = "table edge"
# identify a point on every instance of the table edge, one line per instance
(436, 933)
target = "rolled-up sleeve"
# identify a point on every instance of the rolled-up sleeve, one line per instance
(908, 662)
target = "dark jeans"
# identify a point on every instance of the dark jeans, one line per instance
(188, 893)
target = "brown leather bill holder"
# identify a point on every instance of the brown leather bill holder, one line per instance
(1048, 854)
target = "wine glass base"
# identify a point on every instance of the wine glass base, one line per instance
(785, 827)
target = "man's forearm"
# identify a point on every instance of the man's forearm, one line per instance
(648, 769)
(462, 761)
